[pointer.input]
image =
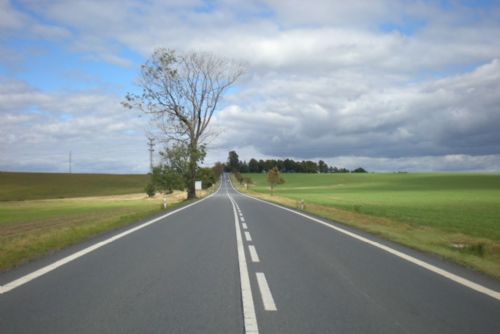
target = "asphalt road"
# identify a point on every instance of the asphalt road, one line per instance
(232, 264)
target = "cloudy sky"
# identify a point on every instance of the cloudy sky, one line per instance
(387, 85)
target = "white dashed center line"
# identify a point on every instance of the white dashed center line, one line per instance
(249, 317)
(265, 292)
(253, 253)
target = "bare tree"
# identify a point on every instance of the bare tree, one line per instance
(181, 93)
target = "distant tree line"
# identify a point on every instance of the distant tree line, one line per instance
(284, 166)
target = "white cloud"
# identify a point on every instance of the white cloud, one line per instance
(293, 33)
(12, 20)
(444, 117)
(9, 17)
(38, 130)
(381, 80)
(50, 32)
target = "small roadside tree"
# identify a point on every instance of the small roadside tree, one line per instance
(274, 178)
(181, 93)
(150, 189)
(247, 180)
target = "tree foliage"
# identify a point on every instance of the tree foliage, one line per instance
(150, 189)
(233, 162)
(180, 92)
(359, 170)
(207, 177)
(291, 166)
(177, 158)
(173, 171)
(166, 179)
(218, 169)
(238, 177)
(253, 166)
(274, 178)
(322, 167)
(248, 180)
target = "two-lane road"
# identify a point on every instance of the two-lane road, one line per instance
(232, 264)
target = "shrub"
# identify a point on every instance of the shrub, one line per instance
(150, 190)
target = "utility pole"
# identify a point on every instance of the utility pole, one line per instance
(69, 162)
(151, 145)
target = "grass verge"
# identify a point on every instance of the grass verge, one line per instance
(473, 250)
(31, 229)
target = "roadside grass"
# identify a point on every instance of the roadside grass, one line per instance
(31, 229)
(27, 186)
(456, 216)
(44, 212)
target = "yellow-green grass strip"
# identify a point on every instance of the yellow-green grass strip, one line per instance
(31, 229)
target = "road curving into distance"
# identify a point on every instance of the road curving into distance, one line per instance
(233, 264)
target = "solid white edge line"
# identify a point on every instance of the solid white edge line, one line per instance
(245, 227)
(249, 316)
(248, 236)
(265, 292)
(453, 277)
(253, 254)
(44, 270)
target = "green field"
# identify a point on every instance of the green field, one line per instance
(454, 215)
(41, 213)
(29, 229)
(26, 186)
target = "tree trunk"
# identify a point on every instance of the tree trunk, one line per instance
(191, 191)
(193, 162)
